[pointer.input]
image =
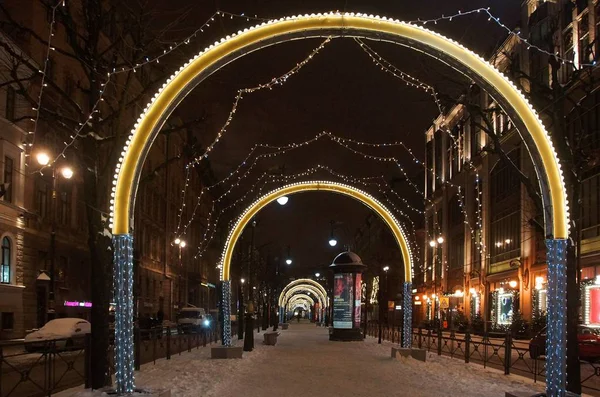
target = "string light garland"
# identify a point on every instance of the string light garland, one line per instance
(31, 135)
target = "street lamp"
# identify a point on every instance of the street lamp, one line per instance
(181, 244)
(282, 200)
(66, 172)
(332, 242)
(317, 275)
(288, 261)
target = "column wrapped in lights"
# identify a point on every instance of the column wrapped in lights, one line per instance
(556, 340)
(123, 291)
(407, 308)
(226, 305)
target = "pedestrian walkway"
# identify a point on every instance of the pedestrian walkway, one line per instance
(304, 362)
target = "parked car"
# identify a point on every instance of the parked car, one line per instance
(68, 332)
(193, 319)
(588, 338)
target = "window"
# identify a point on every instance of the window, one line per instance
(505, 231)
(583, 30)
(64, 208)
(10, 103)
(8, 321)
(8, 179)
(6, 261)
(41, 199)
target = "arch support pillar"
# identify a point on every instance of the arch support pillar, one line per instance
(407, 309)
(556, 339)
(226, 307)
(123, 298)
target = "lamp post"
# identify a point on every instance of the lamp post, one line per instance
(436, 245)
(180, 244)
(333, 240)
(385, 292)
(288, 260)
(66, 172)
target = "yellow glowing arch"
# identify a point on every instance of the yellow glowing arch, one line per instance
(300, 290)
(334, 24)
(301, 297)
(324, 186)
(303, 281)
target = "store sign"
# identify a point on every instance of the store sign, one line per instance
(342, 300)
(444, 302)
(78, 304)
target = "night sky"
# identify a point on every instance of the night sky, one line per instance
(342, 91)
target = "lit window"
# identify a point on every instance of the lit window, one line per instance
(6, 259)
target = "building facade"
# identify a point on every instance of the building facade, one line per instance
(485, 250)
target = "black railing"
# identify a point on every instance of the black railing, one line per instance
(503, 353)
(51, 366)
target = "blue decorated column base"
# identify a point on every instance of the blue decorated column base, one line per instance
(556, 336)
(123, 298)
(407, 309)
(226, 305)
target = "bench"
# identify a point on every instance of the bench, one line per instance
(270, 338)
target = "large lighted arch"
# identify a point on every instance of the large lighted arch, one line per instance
(298, 289)
(229, 48)
(324, 186)
(301, 297)
(303, 281)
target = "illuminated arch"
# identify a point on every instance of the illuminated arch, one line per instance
(306, 281)
(302, 288)
(229, 48)
(324, 186)
(273, 32)
(301, 297)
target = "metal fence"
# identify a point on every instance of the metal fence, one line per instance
(64, 363)
(499, 352)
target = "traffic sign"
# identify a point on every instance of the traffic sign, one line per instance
(444, 302)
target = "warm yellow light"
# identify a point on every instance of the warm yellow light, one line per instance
(42, 158)
(324, 186)
(432, 243)
(512, 283)
(472, 291)
(67, 172)
(416, 298)
(182, 244)
(424, 297)
(272, 33)
(458, 293)
(177, 241)
(440, 240)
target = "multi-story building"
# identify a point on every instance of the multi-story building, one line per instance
(36, 205)
(485, 251)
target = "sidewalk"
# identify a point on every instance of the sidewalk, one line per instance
(305, 362)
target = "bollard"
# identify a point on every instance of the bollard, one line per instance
(439, 346)
(87, 360)
(507, 352)
(136, 347)
(467, 346)
(169, 343)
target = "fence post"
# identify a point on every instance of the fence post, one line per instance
(467, 346)
(87, 360)
(168, 343)
(136, 348)
(439, 341)
(507, 352)
(419, 341)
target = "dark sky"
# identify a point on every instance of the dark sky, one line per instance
(341, 91)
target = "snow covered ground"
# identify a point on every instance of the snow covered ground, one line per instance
(305, 362)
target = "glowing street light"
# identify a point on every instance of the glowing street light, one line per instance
(67, 172)
(432, 243)
(243, 281)
(288, 261)
(182, 244)
(317, 274)
(386, 268)
(282, 200)
(42, 158)
(332, 242)
(440, 240)
(177, 241)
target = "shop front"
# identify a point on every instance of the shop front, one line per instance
(504, 303)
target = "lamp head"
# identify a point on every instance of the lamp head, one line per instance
(332, 242)
(282, 200)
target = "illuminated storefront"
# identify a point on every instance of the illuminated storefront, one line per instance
(591, 302)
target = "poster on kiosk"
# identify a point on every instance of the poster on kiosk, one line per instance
(343, 296)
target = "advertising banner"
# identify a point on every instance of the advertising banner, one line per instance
(342, 300)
